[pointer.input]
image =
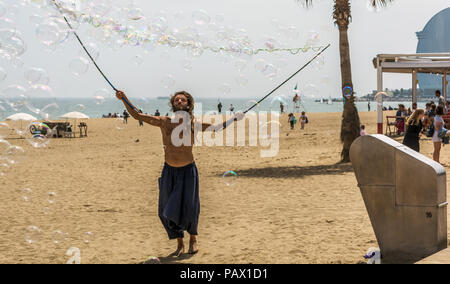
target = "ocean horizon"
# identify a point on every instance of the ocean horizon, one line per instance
(96, 109)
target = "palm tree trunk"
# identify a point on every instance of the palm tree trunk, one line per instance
(350, 128)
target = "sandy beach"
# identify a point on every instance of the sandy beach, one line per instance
(298, 207)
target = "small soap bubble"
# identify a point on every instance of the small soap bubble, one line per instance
(119, 123)
(36, 76)
(270, 129)
(242, 80)
(186, 64)
(229, 178)
(100, 96)
(225, 89)
(15, 155)
(58, 237)
(26, 193)
(153, 260)
(51, 197)
(78, 107)
(88, 237)
(5, 130)
(4, 168)
(79, 66)
(3, 74)
(167, 81)
(270, 71)
(32, 234)
(201, 17)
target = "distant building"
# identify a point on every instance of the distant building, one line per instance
(435, 38)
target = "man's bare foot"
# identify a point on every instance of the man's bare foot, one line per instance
(193, 247)
(180, 249)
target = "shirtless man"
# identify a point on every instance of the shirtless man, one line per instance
(179, 203)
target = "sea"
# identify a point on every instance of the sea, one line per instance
(96, 109)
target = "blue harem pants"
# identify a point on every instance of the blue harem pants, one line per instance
(179, 202)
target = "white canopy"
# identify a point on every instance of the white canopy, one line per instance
(21, 116)
(75, 115)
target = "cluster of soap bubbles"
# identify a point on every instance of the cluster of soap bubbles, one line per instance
(33, 233)
(10, 155)
(119, 26)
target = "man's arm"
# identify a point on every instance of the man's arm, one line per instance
(132, 110)
(220, 127)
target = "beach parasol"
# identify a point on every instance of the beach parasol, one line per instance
(21, 117)
(74, 115)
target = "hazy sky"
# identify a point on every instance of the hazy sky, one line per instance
(391, 30)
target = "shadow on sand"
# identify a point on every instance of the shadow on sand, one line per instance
(296, 171)
(169, 259)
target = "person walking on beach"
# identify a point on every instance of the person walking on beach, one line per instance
(231, 108)
(281, 107)
(413, 130)
(438, 124)
(125, 116)
(292, 120)
(219, 107)
(157, 113)
(140, 121)
(179, 202)
(303, 120)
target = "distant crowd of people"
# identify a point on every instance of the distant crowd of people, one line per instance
(429, 121)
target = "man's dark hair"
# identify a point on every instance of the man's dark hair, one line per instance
(189, 98)
(440, 110)
(438, 92)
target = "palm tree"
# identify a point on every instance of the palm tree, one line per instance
(350, 127)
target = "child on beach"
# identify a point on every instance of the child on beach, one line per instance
(303, 120)
(363, 130)
(292, 120)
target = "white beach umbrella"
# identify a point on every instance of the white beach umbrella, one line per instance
(74, 115)
(21, 116)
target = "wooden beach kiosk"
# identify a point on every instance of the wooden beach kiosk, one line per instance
(428, 63)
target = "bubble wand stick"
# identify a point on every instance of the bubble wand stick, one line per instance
(87, 52)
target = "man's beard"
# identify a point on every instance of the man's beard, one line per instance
(181, 108)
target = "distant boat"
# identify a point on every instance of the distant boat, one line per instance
(163, 98)
(330, 101)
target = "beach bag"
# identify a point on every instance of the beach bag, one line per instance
(295, 120)
(443, 135)
(430, 130)
(306, 120)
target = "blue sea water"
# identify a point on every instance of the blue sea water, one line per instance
(150, 105)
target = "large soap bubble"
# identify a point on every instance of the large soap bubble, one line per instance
(201, 17)
(14, 96)
(48, 33)
(38, 134)
(36, 76)
(79, 66)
